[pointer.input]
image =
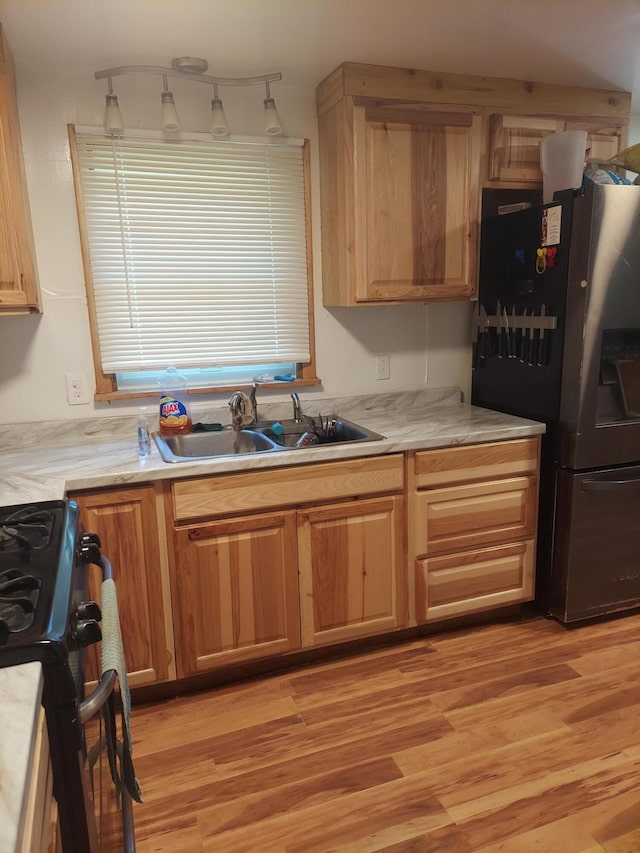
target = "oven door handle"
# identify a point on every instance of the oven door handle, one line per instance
(609, 485)
(93, 703)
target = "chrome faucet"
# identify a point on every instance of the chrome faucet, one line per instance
(239, 404)
(297, 408)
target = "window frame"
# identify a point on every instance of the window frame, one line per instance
(106, 386)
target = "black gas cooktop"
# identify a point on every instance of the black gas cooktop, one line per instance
(37, 557)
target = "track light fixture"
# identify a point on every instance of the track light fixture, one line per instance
(219, 126)
(113, 124)
(188, 68)
(170, 120)
(272, 123)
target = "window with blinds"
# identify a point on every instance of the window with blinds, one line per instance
(197, 251)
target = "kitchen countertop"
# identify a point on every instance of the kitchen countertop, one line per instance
(20, 692)
(43, 461)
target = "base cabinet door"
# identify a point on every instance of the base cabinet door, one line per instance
(127, 524)
(352, 576)
(237, 591)
(457, 584)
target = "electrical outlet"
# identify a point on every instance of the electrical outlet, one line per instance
(77, 388)
(382, 367)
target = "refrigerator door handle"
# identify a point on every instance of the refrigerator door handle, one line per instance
(609, 485)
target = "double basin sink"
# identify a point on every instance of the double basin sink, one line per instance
(264, 437)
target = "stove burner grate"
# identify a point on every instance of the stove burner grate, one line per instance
(27, 529)
(18, 598)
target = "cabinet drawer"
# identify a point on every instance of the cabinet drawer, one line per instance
(474, 580)
(237, 493)
(470, 516)
(476, 462)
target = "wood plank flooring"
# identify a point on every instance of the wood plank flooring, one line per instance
(512, 737)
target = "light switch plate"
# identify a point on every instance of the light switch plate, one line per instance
(383, 367)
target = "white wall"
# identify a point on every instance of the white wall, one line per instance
(427, 344)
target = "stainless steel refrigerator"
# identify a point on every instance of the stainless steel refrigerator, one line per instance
(557, 338)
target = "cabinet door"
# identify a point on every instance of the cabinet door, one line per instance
(470, 516)
(416, 188)
(472, 581)
(514, 143)
(604, 138)
(237, 591)
(127, 524)
(18, 281)
(514, 146)
(352, 570)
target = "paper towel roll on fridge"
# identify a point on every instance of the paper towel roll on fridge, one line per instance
(562, 158)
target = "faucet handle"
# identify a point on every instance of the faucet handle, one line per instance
(254, 403)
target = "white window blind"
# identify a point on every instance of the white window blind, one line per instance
(197, 251)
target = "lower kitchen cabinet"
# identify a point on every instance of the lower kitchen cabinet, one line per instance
(352, 570)
(253, 565)
(127, 522)
(237, 591)
(473, 519)
(327, 564)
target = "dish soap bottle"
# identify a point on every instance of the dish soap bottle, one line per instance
(175, 417)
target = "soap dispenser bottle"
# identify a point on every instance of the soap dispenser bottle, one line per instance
(175, 415)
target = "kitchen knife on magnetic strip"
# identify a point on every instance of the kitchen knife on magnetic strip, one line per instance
(532, 341)
(483, 338)
(475, 331)
(505, 319)
(541, 348)
(500, 331)
(522, 337)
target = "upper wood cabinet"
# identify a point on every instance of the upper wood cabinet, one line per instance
(514, 143)
(19, 292)
(399, 194)
(403, 155)
(131, 530)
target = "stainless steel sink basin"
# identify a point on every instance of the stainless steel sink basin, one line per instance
(339, 431)
(260, 439)
(205, 445)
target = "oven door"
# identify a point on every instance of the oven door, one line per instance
(108, 802)
(596, 555)
(109, 808)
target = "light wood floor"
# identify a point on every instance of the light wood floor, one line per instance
(511, 737)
